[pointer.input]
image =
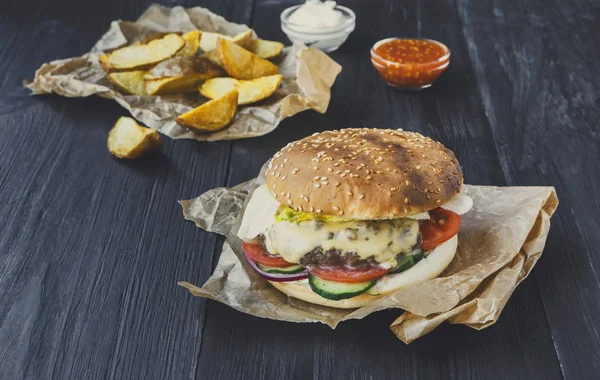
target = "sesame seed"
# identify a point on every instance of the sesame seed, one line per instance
(317, 185)
(407, 183)
(349, 193)
(305, 199)
(329, 169)
(336, 208)
(395, 170)
(274, 185)
(438, 201)
(283, 177)
(361, 196)
(341, 212)
(310, 209)
(406, 200)
(323, 178)
(389, 193)
(378, 172)
(288, 195)
(418, 167)
(272, 173)
(315, 167)
(429, 183)
(393, 189)
(282, 193)
(285, 159)
(315, 178)
(346, 171)
(325, 183)
(337, 184)
(318, 211)
(369, 177)
(289, 202)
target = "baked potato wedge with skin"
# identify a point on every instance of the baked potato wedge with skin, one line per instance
(129, 82)
(241, 64)
(184, 66)
(187, 83)
(250, 91)
(212, 56)
(208, 40)
(128, 139)
(265, 49)
(211, 116)
(192, 43)
(142, 56)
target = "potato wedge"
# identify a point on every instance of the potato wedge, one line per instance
(129, 82)
(143, 56)
(212, 115)
(264, 49)
(250, 91)
(184, 66)
(208, 40)
(192, 43)
(212, 56)
(240, 63)
(174, 85)
(243, 38)
(127, 139)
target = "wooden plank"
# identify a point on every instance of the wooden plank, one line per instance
(539, 84)
(91, 246)
(518, 346)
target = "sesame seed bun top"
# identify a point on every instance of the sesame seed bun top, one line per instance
(364, 173)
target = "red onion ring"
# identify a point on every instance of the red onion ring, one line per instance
(277, 277)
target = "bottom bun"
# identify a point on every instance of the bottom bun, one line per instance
(426, 269)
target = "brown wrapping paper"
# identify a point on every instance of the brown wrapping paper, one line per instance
(500, 241)
(308, 76)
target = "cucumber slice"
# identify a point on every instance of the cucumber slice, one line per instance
(408, 261)
(338, 290)
(282, 270)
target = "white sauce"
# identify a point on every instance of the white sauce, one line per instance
(461, 203)
(317, 14)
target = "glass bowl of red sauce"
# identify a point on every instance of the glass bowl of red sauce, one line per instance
(410, 63)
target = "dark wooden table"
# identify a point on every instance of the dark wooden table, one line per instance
(91, 247)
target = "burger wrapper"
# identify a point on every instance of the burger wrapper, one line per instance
(500, 240)
(308, 76)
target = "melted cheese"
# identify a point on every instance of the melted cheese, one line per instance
(383, 240)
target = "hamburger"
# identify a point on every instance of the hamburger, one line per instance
(348, 216)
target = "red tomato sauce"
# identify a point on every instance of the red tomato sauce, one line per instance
(410, 63)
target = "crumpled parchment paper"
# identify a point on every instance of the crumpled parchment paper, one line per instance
(308, 76)
(500, 241)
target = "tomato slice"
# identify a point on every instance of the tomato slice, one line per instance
(348, 274)
(442, 225)
(259, 255)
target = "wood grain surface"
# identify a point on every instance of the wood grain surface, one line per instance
(91, 247)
